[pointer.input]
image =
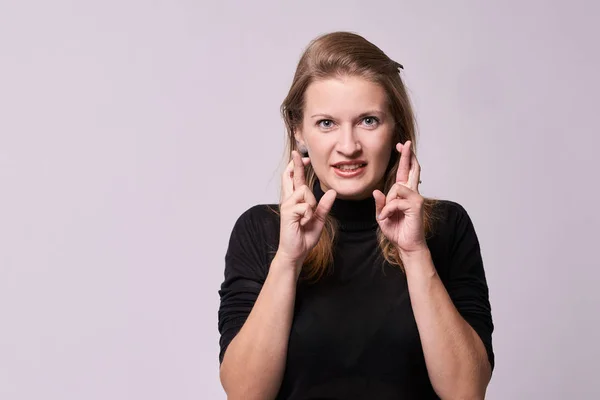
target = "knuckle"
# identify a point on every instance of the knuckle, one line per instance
(320, 218)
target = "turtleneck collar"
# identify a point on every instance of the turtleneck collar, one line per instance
(352, 215)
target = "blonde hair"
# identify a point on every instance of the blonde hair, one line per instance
(341, 54)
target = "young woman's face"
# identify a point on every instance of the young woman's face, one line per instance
(348, 132)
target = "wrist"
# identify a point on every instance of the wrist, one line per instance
(419, 253)
(282, 263)
(418, 261)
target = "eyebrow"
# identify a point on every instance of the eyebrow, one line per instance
(362, 115)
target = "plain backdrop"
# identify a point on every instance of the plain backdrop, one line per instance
(133, 134)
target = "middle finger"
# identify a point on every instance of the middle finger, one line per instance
(299, 179)
(404, 165)
(414, 174)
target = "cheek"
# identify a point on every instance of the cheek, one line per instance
(383, 160)
(381, 152)
(318, 157)
(318, 148)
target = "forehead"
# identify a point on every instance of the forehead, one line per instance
(344, 95)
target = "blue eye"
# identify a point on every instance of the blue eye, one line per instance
(371, 121)
(325, 123)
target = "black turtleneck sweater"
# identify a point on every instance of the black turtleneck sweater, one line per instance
(354, 334)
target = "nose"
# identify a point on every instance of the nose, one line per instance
(348, 144)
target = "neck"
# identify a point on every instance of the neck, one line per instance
(352, 215)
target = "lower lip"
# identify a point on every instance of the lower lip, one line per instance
(349, 173)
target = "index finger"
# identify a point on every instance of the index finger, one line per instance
(404, 165)
(287, 186)
(299, 178)
(287, 181)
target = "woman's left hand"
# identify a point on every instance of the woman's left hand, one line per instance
(400, 212)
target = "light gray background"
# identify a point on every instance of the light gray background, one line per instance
(134, 133)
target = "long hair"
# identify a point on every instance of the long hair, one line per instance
(341, 54)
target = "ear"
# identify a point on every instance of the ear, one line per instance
(300, 144)
(299, 136)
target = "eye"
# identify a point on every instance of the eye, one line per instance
(371, 121)
(325, 123)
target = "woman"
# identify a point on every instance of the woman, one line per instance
(354, 286)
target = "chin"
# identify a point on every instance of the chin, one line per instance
(352, 189)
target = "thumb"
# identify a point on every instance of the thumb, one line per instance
(325, 205)
(379, 201)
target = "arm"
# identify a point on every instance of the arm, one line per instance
(254, 362)
(454, 317)
(457, 361)
(257, 306)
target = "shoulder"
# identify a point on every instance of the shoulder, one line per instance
(258, 214)
(454, 243)
(253, 240)
(451, 225)
(455, 212)
(448, 216)
(257, 221)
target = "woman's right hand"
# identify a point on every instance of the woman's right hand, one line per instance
(302, 219)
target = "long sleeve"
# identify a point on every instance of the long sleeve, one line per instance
(246, 268)
(466, 281)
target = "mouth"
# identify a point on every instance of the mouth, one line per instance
(350, 165)
(349, 169)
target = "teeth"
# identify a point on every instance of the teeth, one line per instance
(350, 167)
